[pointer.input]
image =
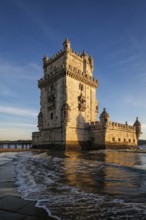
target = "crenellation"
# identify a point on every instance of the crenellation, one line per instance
(121, 126)
(90, 78)
(53, 58)
(75, 54)
(94, 125)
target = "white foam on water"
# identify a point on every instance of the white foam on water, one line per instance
(6, 157)
(39, 205)
(42, 178)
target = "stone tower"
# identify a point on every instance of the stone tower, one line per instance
(68, 99)
(104, 118)
(137, 125)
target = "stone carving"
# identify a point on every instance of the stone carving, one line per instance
(51, 96)
(65, 116)
(96, 110)
(82, 103)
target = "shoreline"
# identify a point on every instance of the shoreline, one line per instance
(12, 206)
(22, 150)
(139, 150)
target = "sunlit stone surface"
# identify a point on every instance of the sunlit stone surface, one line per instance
(69, 108)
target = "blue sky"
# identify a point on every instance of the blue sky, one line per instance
(113, 31)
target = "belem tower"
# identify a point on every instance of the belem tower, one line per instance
(69, 108)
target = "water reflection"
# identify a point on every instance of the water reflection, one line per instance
(85, 185)
(109, 172)
(79, 171)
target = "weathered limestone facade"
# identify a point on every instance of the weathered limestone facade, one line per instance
(69, 107)
(112, 134)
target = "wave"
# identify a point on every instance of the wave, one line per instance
(7, 157)
(49, 180)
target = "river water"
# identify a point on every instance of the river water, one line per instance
(72, 185)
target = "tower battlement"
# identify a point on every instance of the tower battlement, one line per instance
(72, 71)
(69, 57)
(61, 63)
(112, 125)
(124, 127)
(48, 61)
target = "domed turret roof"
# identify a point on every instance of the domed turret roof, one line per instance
(137, 123)
(104, 114)
(66, 41)
(45, 57)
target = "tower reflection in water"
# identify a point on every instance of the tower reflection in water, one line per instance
(110, 172)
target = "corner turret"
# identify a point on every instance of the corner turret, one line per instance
(45, 63)
(84, 55)
(91, 61)
(66, 45)
(137, 124)
(45, 60)
(104, 117)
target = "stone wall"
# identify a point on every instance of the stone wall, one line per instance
(55, 62)
(78, 118)
(80, 62)
(52, 102)
(121, 135)
(112, 134)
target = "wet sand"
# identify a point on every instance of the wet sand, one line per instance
(12, 206)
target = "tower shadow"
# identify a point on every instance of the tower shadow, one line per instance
(82, 132)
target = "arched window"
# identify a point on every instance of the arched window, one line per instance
(81, 87)
(51, 115)
(92, 139)
(65, 112)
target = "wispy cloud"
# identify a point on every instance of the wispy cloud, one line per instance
(144, 126)
(140, 76)
(18, 80)
(50, 32)
(5, 90)
(13, 124)
(134, 101)
(126, 60)
(14, 134)
(17, 111)
(12, 70)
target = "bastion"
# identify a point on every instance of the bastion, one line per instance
(69, 108)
